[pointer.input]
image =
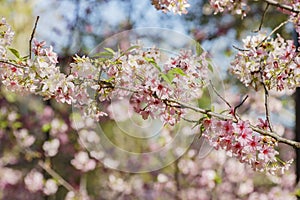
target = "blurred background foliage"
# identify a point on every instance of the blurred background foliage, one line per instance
(19, 13)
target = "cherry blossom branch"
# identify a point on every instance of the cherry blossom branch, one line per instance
(226, 117)
(273, 31)
(10, 63)
(32, 35)
(222, 117)
(283, 6)
(50, 171)
(239, 49)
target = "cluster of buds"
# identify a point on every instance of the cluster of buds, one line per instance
(241, 142)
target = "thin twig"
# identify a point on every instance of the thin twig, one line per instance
(267, 107)
(240, 104)
(10, 63)
(57, 177)
(32, 35)
(276, 137)
(239, 49)
(274, 30)
(262, 18)
(223, 99)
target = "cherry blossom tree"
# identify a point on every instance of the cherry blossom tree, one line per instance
(160, 86)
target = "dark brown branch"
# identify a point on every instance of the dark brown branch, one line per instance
(215, 90)
(32, 35)
(276, 137)
(242, 102)
(225, 117)
(262, 18)
(239, 49)
(267, 107)
(10, 63)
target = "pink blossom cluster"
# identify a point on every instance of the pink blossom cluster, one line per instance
(181, 78)
(272, 62)
(175, 6)
(145, 103)
(39, 75)
(82, 162)
(239, 141)
(236, 7)
(34, 182)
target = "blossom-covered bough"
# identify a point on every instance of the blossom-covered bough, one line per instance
(162, 90)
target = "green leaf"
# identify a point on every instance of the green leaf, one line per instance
(171, 74)
(110, 50)
(152, 61)
(103, 54)
(131, 48)
(218, 179)
(46, 127)
(176, 71)
(17, 125)
(24, 58)
(210, 67)
(15, 52)
(199, 49)
(165, 77)
(3, 124)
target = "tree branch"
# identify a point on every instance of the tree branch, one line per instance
(283, 6)
(219, 95)
(57, 176)
(262, 19)
(226, 117)
(10, 63)
(32, 35)
(267, 107)
(240, 104)
(273, 31)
